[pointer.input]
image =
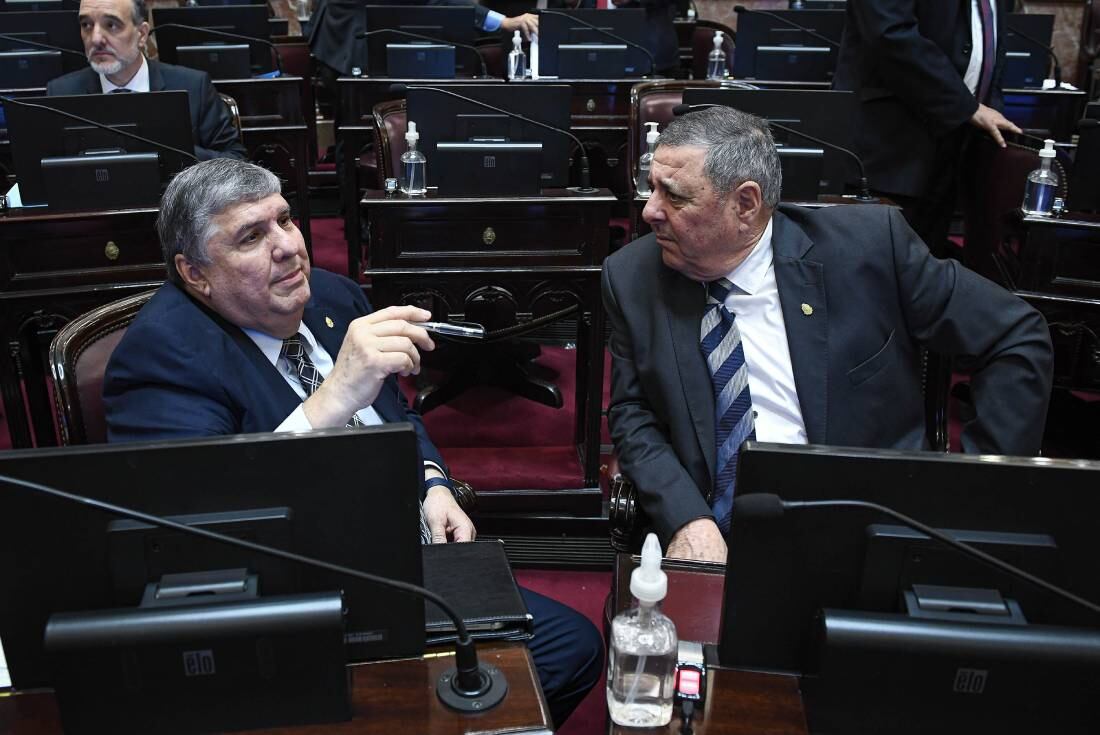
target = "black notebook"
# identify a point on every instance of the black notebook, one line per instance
(476, 579)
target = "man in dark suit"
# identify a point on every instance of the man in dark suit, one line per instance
(927, 75)
(247, 337)
(115, 33)
(737, 318)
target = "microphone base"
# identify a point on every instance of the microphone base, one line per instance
(583, 189)
(495, 686)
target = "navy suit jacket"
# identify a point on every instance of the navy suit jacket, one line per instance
(905, 60)
(876, 294)
(215, 136)
(180, 372)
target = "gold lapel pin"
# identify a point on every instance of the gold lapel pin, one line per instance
(807, 309)
(330, 324)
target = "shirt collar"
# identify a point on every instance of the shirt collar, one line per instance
(138, 83)
(750, 273)
(272, 347)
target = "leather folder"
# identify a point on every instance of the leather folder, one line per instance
(476, 579)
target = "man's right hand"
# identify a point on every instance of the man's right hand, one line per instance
(377, 345)
(993, 123)
(699, 540)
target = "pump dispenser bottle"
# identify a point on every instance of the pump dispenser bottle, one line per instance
(414, 174)
(645, 162)
(1041, 183)
(716, 62)
(517, 60)
(642, 662)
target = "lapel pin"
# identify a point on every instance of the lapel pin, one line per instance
(330, 324)
(807, 309)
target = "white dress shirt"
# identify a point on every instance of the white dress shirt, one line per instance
(754, 300)
(138, 83)
(272, 348)
(974, 68)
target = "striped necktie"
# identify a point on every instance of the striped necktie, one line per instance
(310, 379)
(989, 49)
(720, 341)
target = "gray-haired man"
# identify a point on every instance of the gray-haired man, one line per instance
(742, 318)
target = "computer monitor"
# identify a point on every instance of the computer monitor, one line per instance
(38, 134)
(1084, 185)
(246, 20)
(443, 118)
(25, 5)
(53, 27)
(560, 28)
(219, 60)
(438, 22)
(350, 497)
(29, 68)
(825, 114)
(893, 632)
(1026, 64)
(770, 49)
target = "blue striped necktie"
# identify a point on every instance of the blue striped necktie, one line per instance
(720, 341)
(310, 378)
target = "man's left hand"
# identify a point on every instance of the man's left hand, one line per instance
(446, 520)
(527, 24)
(993, 123)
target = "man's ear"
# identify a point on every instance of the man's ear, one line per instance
(192, 276)
(749, 200)
(143, 34)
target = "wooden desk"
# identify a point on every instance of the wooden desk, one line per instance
(737, 701)
(55, 266)
(274, 130)
(1053, 112)
(543, 253)
(387, 697)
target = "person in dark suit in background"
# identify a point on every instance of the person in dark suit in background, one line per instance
(247, 337)
(739, 318)
(927, 74)
(114, 34)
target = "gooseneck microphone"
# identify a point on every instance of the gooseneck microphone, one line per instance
(101, 126)
(1050, 52)
(609, 34)
(227, 34)
(468, 687)
(767, 506)
(739, 9)
(586, 176)
(864, 187)
(47, 46)
(422, 37)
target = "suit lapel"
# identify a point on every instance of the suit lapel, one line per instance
(686, 302)
(801, 284)
(92, 85)
(156, 79)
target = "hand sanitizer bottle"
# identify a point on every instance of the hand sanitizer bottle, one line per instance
(645, 162)
(414, 174)
(642, 663)
(716, 62)
(1041, 184)
(517, 60)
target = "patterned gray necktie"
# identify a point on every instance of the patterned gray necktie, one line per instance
(120, 90)
(310, 379)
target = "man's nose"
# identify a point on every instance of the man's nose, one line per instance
(285, 244)
(652, 211)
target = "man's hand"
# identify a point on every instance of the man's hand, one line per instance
(377, 345)
(446, 520)
(699, 540)
(993, 123)
(527, 24)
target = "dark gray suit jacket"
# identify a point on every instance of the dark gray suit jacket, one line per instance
(877, 296)
(215, 136)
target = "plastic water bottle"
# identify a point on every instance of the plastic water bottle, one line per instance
(517, 60)
(414, 173)
(1041, 184)
(716, 62)
(645, 162)
(642, 663)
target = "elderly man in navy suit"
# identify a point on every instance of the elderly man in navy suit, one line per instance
(742, 318)
(114, 34)
(246, 336)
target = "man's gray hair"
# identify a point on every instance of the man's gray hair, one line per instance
(197, 195)
(139, 12)
(739, 148)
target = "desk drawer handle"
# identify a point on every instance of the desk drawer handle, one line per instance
(489, 236)
(111, 250)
